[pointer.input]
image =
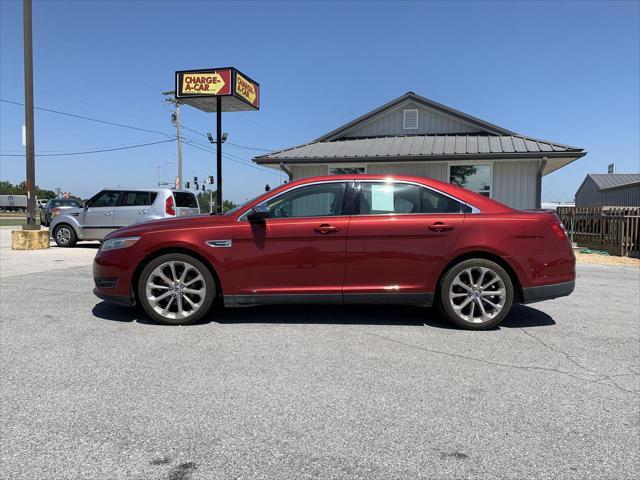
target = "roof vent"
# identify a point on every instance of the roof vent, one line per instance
(410, 119)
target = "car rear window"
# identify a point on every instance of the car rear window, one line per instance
(185, 200)
(138, 199)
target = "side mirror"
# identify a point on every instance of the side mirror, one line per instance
(85, 205)
(258, 213)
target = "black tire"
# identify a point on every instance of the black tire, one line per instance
(65, 236)
(204, 302)
(476, 297)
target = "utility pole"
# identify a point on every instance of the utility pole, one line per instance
(28, 118)
(175, 119)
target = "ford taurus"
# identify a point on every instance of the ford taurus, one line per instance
(345, 239)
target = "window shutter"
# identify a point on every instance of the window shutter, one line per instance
(410, 119)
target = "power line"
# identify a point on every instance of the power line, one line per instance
(229, 143)
(90, 151)
(115, 124)
(90, 118)
(261, 169)
(251, 148)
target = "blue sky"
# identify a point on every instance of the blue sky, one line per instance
(563, 71)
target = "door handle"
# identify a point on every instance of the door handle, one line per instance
(142, 212)
(326, 228)
(108, 214)
(440, 227)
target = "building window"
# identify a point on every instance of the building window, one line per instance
(410, 119)
(477, 178)
(347, 170)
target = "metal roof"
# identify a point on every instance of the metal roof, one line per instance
(422, 147)
(613, 180)
(485, 126)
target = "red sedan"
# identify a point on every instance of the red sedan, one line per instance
(343, 239)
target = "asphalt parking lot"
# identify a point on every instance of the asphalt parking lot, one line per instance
(95, 391)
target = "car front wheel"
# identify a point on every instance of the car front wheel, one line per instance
(65, 236)
(176, 289)
(476, 294)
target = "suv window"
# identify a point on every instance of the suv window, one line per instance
(108, 198)
(185, 200)
(138, 199)
(387, 198)
(322, 200)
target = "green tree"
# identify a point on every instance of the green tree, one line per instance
(459, 174)
(7, 188)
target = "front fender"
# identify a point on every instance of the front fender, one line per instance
(152, 244)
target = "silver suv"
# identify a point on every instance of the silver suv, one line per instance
(113, 208)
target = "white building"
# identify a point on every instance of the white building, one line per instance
(413, 135)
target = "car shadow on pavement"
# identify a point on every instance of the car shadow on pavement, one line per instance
(519, 317)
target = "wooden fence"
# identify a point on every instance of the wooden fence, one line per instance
(614, 229)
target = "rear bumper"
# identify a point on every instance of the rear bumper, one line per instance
(547, 292)
(124, 300)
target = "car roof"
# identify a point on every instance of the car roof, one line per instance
(475, 199)
(145, 189)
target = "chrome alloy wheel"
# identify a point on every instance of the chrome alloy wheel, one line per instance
(477, 294)
(63, 235)
(176, 290)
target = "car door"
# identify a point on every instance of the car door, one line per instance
(97, 217)
(398, 235)
(298, 252)
(133, 208)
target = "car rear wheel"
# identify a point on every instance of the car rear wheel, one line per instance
(65, 236)
(476, 294)
(176, 289)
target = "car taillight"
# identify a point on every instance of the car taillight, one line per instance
(559, 230)
(169, 206)
(55, 211)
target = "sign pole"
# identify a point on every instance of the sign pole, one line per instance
(28, 115)
(219, 153)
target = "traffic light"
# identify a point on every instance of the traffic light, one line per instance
(210, 179)
(203, 188)
(267, 187)
(187, 186)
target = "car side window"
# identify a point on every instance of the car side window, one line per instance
(383, 198)
(108, 198)
(322, 200)
(434, 202)
(138, 199)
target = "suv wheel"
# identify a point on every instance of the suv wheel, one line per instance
(65, 236)
(176, 289)
(476, 294)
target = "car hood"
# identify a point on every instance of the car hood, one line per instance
(179, 223)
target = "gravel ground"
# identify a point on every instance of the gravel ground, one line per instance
(594, 258)
(95, 391)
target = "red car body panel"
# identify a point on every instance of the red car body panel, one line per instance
(360, 255)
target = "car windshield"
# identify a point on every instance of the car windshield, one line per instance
(239, 207)
(66, 203)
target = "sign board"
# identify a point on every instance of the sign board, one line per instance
(611, 168)
(202, 88)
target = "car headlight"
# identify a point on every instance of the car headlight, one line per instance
(116, 243)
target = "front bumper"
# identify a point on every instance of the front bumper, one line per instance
(112, 274)
(547, 292)
(125, 300)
